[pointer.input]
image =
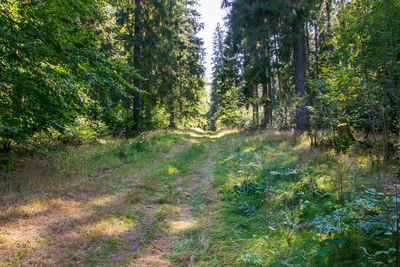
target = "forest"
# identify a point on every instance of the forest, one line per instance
(117, 149)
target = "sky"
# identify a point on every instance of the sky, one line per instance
(211, 14)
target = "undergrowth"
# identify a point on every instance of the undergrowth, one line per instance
(292, 205)
(62, 164)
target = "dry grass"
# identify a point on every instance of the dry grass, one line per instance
(108, 210)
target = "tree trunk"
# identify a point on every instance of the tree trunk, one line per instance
(302, 116)
(172, 120)
(266, 104)
(278, 80)
(255, 105)
(148, 112)
(386, 155)
(269, 87)
(136, 58)
(307, 42)
(278, 73)
(316, 48)
(328, 9)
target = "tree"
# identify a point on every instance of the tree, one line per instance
(170, 58)
(215, 98)
(51, 61)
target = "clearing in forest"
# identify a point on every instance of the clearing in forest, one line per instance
(195, 199)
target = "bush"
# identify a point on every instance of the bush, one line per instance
(7, 162)
(82, 131)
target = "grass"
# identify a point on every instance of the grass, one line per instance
(87, 205)
(67, 165)
(237, 235)
(179, 199)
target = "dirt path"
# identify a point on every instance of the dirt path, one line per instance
(197, 181)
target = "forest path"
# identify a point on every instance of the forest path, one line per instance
(165, 199)
(192, 185)
(123, 203)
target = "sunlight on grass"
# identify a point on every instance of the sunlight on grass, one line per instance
(193, 141)
(109, 227)
(302, 143)
(172, 170)
(182, 225)
(37, 206)
(71, 166)
(100, 210)
(248, 149)
(103, 200)
(211, 135)
(17, 241)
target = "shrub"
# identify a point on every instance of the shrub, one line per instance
(82, 131)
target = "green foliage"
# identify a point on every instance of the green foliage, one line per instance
(51, 63)
(357, 81)
(82, 131)
(7, 162)
(306, 216)
(347, 52)
(343, 142)
(63, 61)
(251, 259)
(226, 110)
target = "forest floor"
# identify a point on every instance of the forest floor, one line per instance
(166, 199)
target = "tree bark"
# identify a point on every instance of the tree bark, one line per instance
(255, 105)
(269, 87)
(328, 9)
(316, 48)
(307, 42)
(278, 74)
(302, 116)
(136, 62)
(148, 114)
(266, 104)
(172, 123)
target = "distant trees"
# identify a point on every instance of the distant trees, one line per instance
(168, 54)
(313, 64)
(266, 35)
(225, 97)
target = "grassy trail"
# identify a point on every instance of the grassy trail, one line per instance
(178, 199)
(195, 182)
(130, 213)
